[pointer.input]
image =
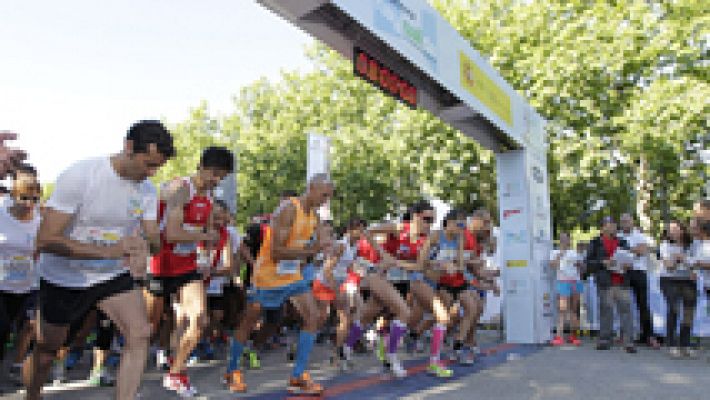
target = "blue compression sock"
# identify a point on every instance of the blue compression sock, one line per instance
(235, 355)
(303, 352)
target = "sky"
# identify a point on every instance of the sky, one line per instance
(74, 74)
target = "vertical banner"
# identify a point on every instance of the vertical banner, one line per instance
(318, 162)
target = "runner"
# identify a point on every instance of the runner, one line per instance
(376, 265)
(338, 284)
(569, 288)
(478, 243)
(181, 265)
(286, 247)
(452, 282)
(18, 278)
(411, 248)
(94, 240)
(222, 263)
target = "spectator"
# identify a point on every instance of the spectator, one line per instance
(569, 287)
(613, 289)
(678, 285)
(640, 246)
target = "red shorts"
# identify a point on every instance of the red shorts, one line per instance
(323, 292)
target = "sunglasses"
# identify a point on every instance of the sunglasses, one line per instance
(461, 225)
(428, 220)
(33, 199)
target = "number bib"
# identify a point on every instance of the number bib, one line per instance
(16, 268)
(185, 249)
(396, 274)
(288, 267)
(99, 237)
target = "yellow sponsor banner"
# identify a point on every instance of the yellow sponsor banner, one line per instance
(516, 263)
(484, 89)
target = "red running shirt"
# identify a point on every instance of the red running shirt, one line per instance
(610, 246)
(181, 258)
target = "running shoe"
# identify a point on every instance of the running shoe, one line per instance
(675, 352)
(394, 366)
(691, 353)
(179, 383)
(466, 357)
(58, 373)
(101, 378)
(304, 385)
(73, 358)
(557, 341)
(162, 361)
(254, 362)
(439, 370)
(235, 382)
(15, 371)
(573, 340)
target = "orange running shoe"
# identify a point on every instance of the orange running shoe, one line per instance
(235, 381)
(304, 385)
(557, 341)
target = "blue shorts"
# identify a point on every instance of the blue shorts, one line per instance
(274, 298)
(567, 289)
(308, 272)
(419, 276)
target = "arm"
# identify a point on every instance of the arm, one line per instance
(151, 233)
(51, 239)
(174, 231)
(386, 259)
(280, 230)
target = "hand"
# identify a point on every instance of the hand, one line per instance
(9, 157)
(211, 238)
(496, 291)
(136, 252)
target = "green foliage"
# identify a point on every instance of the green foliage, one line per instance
(619, 82)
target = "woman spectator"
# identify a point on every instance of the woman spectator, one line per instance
(678, 285)
(567, 262)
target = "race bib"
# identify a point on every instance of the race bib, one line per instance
(98, 237)
(187, 248)
(16, 268)
(447, 255)
(288, 267)
(396, 274)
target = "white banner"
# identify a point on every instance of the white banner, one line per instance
(318, 162)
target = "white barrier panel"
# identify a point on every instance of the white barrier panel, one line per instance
(657, 304)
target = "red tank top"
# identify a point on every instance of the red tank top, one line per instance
(404, 247)
(181, 258)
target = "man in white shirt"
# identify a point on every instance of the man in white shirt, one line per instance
(93, 243)
(640, 246)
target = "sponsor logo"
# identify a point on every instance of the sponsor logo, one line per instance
(508, 213)
(537, 175)
(516, 263)
(519, 237)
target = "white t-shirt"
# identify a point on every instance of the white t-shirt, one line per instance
(700, 252)
(568, 270)
(17, 248)
(105, 207)
(634, 239)
(668, 251)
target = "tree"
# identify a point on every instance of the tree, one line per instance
(587, 66)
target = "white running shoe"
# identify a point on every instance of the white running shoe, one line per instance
(179, 383)
(395, 366)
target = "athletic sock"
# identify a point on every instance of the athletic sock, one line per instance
(354, 335)
(397, 331)
(235, 355)
(303, 352)
(437, 338)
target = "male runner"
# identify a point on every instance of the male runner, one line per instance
(186, 212)
(287, 246)
(93, 241)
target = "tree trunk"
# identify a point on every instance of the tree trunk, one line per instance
(643, 195)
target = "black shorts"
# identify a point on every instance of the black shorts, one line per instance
(15, 307)
(402, 287)
(60, 305)
(165, 286)
(454, 291)
(215, 302)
